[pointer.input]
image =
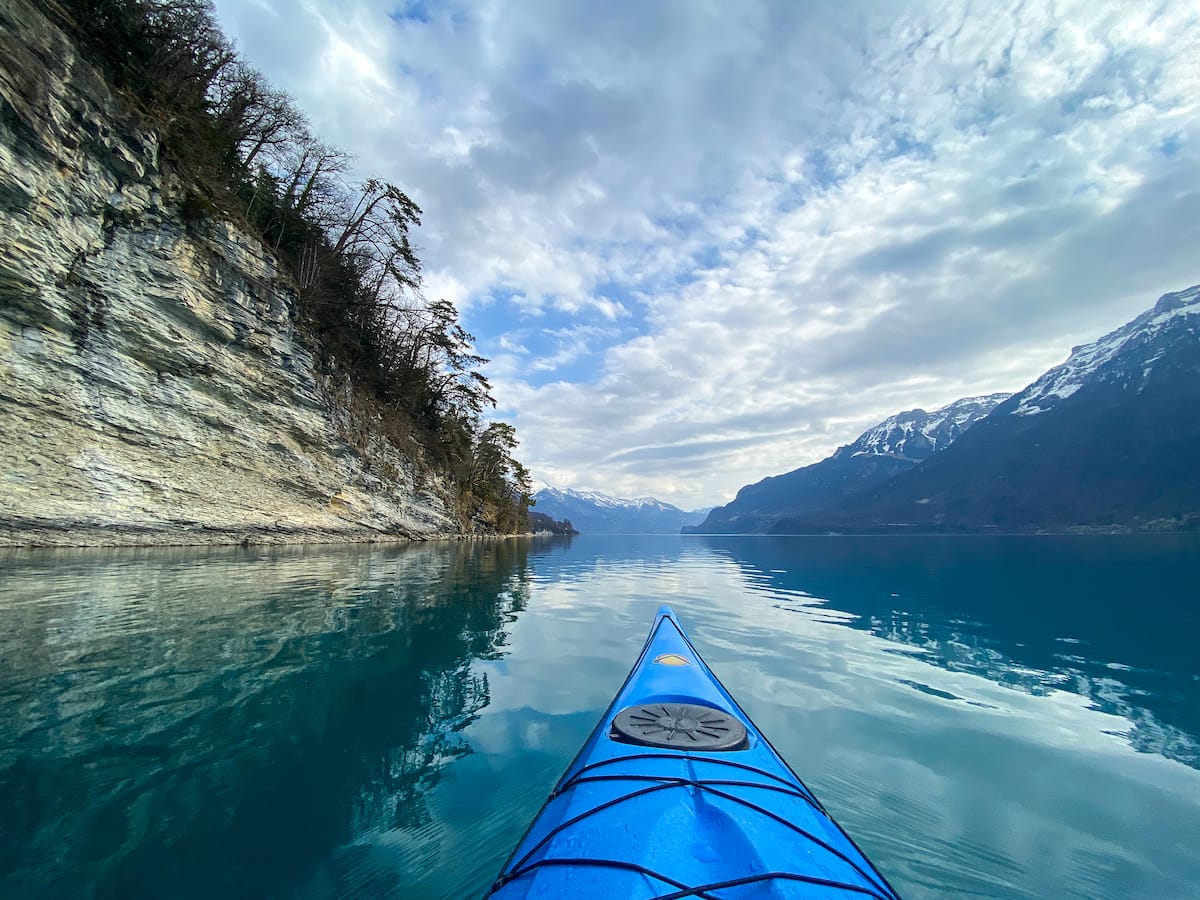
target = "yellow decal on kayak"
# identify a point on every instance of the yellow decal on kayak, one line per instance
(671, 659)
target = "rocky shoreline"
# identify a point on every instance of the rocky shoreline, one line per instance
(154, 389)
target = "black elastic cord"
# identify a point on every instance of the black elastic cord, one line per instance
(704, 782)
(605, 864)
(702, 890)
(800, 831)
(563, 826)
(688, 758)
(681, 782)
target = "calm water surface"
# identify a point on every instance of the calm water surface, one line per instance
(989, 717)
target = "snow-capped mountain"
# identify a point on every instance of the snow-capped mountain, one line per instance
(1128, 355)
(880, 453)
(916, 434)
(592, 512)
(1106, 440)
(601, 501)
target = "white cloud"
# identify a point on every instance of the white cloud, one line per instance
(776, 222)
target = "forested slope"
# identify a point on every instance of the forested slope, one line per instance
(210, 327)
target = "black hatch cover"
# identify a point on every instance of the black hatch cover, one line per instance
(679, 726)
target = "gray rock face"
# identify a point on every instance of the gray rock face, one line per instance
(153, 388)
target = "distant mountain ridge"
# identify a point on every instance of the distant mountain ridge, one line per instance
(880, 453)
(1108, 440)
(1129, 355)
(592, 512)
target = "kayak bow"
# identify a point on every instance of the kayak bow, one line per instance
(677, 794)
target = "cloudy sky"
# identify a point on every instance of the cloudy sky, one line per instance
(704, 242)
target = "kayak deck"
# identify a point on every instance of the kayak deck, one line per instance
(677, 794)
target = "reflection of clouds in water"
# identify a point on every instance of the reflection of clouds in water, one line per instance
(535, 734)
(422, 701)
(1146, 733)
(939, 644)
(288, 702)
(990, 725)
(957, 783)
(1110, 619)
(709, 583)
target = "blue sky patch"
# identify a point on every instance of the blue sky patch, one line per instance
(412, 11)
(895, 206)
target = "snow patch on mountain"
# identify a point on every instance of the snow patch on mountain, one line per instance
(917, 434)
(1140, 338)
(592, 512)
(603, 501)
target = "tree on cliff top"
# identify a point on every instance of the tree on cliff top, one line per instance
(245, 150)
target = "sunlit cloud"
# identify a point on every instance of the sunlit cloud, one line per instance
(706, 244)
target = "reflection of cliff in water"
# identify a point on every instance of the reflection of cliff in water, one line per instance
(220, 722)
(1112, 618)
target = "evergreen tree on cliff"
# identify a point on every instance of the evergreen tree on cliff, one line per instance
(247, 152)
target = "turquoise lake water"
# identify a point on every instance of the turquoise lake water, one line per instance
(987, 717)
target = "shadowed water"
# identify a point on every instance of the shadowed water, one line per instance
(1007, 717)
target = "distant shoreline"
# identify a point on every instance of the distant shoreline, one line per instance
(34, 537)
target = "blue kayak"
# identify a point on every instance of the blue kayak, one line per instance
(677, 794)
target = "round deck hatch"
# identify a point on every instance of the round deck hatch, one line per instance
(679, 726)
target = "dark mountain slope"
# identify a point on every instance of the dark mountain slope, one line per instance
(878, 455)
(1109, 438)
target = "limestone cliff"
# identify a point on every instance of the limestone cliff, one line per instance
(153, 387)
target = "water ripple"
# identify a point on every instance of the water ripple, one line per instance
(986, 718)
